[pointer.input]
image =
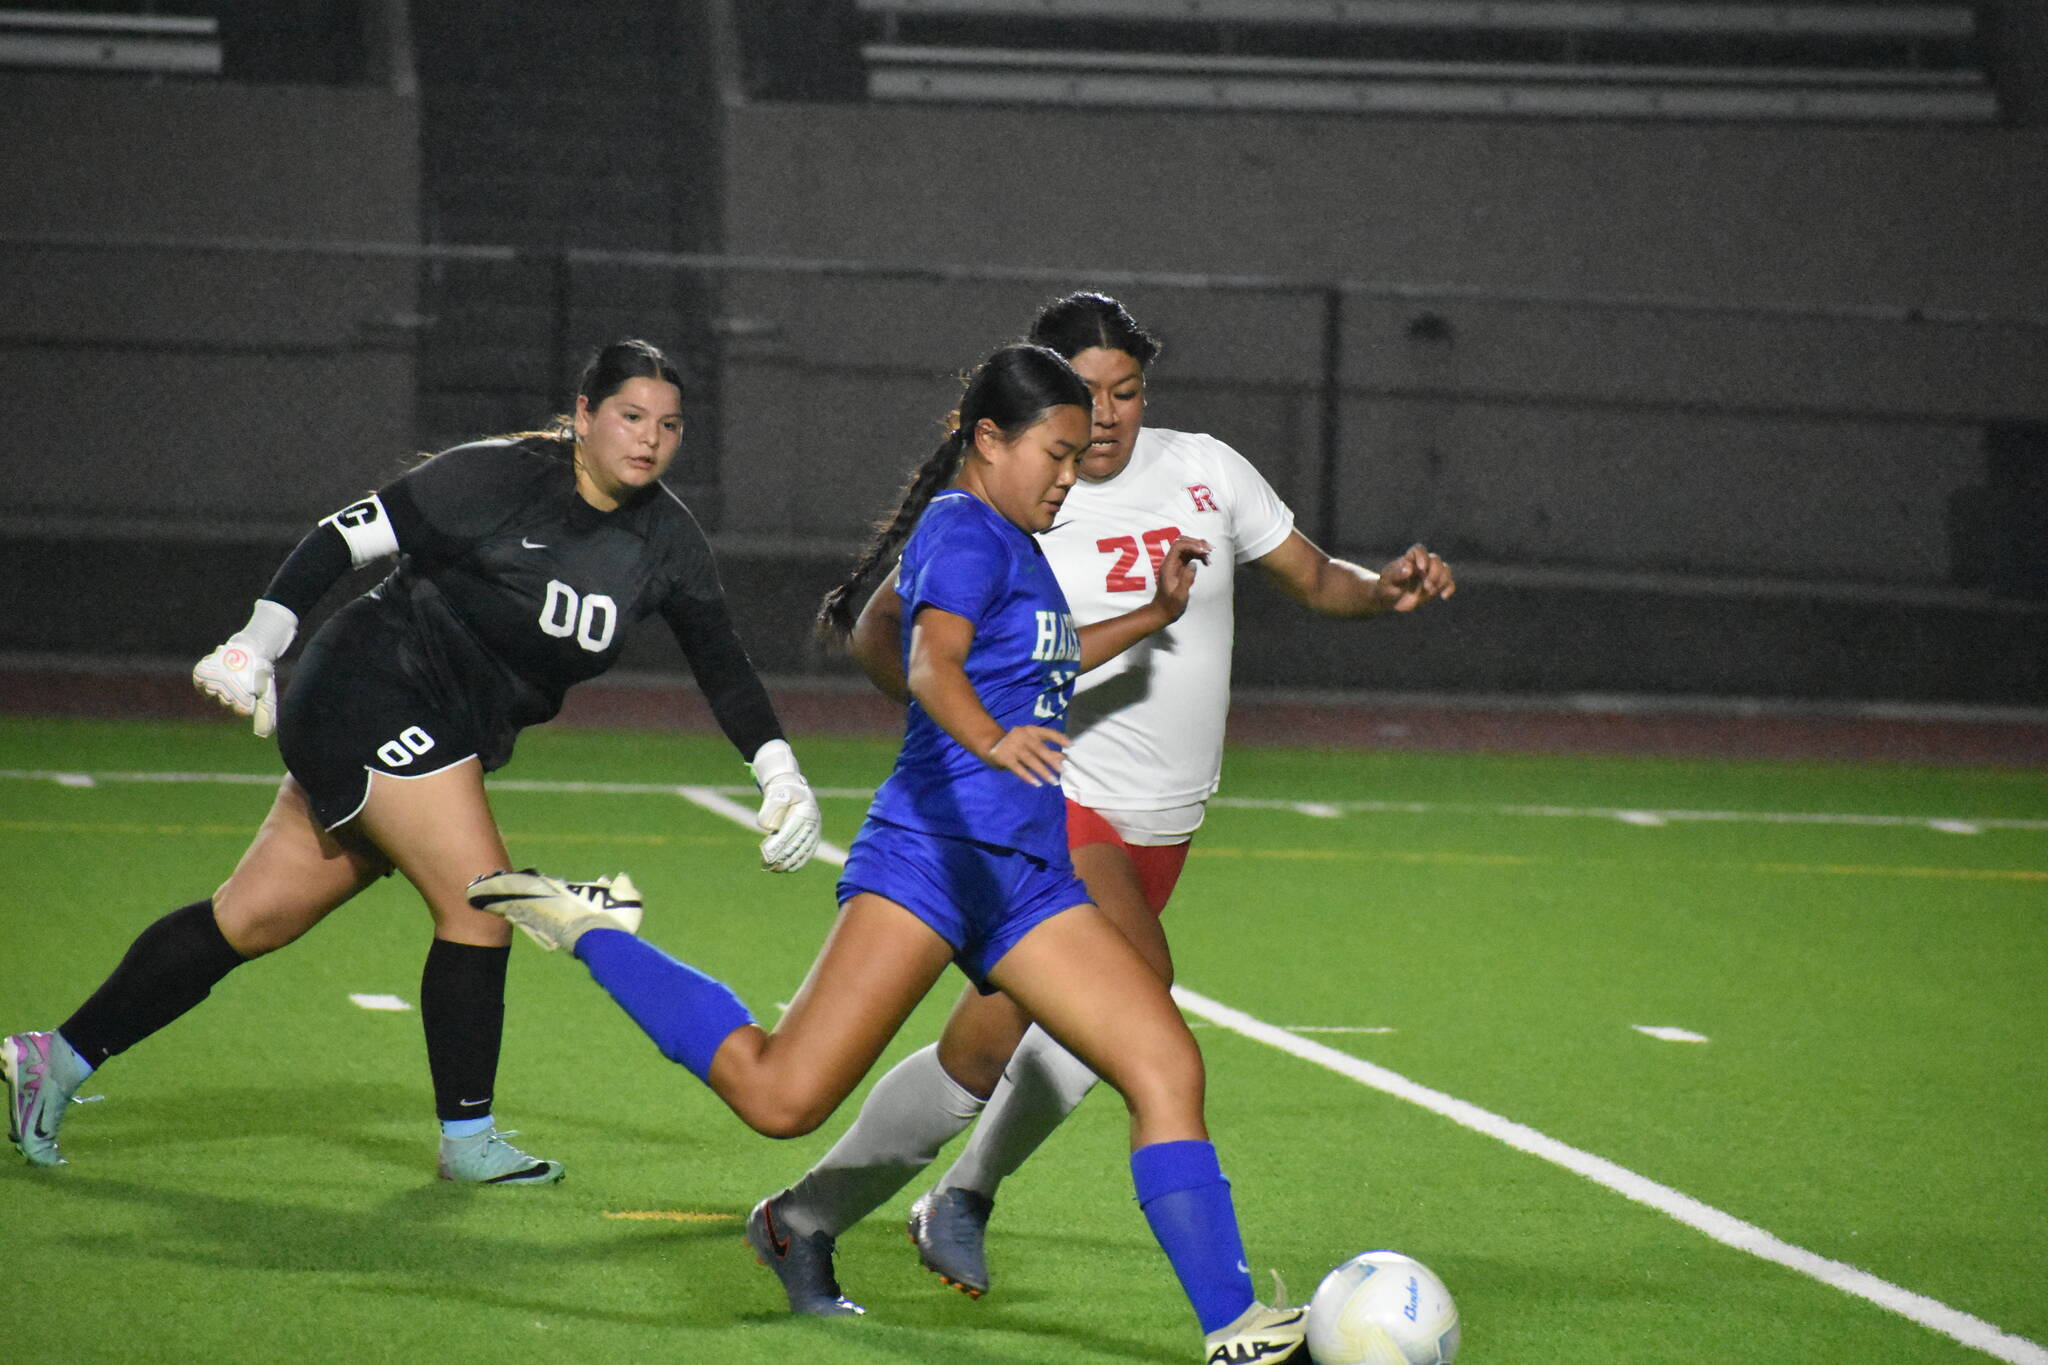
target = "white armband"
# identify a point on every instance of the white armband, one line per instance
(367, 529)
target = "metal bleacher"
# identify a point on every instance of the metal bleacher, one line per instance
(166, 45)
(1828, 60)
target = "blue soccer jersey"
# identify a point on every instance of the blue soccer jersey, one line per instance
(966, 559)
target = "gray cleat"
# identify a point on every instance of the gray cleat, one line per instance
(948, 1226)
(802, 1263)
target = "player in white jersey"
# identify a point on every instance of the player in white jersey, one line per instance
(1146, 756)
(1149, 725)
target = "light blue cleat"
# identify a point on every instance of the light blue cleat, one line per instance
(487, 1159)
(43, 1073)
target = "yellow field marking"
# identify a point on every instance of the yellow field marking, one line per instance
(1412, 856)
(112, 827)
(246, 829)
(673, 1216)
(1996, 874)
(1993, 874)
(1381, 856)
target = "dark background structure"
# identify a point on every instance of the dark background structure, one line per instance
(1714, 351)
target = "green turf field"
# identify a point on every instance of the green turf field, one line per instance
(1863, 948)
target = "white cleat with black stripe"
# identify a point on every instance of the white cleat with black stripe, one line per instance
(555, 913)
(487, 1159)
(1260, 1336)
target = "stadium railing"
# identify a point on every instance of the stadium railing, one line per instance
(1874, 61)
(138, 43)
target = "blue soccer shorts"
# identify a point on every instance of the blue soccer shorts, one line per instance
(980, 898)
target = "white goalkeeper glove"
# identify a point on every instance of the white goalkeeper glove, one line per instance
(788, 810)
(240, 675)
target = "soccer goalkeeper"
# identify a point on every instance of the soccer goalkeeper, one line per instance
(521, 563)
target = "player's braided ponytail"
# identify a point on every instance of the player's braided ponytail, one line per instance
(1012, 388)
(835, 613)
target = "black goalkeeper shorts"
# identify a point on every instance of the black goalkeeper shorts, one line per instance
(350, 712)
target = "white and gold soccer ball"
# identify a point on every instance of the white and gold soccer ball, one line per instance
(1382, 1308)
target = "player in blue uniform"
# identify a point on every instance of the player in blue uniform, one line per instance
(522, 562)
(963, 858)
(1148, 750)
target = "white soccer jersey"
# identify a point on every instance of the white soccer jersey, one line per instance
(1148, 725)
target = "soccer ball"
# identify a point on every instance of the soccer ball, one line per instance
(1382, 1308)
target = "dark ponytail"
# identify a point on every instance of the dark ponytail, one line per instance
(603, 375)
(1013, 388)
(835, 613)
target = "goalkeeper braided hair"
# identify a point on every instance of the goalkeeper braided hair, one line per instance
(1013, 389)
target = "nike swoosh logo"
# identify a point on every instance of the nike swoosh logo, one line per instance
(526, 544)
(775, 1237)
(472, 1104)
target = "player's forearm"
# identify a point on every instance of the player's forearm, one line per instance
(724, 674)
(315, 564)
(1342, 588)
(946, 695)
(1102, 641)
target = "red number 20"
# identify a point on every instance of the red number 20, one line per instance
(1125, 548)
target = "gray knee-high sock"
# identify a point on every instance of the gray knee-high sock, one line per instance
(914, 1110)
(1041, 1086)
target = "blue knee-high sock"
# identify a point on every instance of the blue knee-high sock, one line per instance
(685, 1012)
(1187, 1202)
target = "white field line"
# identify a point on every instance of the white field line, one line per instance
(1930, 1313)
(710, 800)
(1946, 824)
(1725, 1228)
(1722, 1227)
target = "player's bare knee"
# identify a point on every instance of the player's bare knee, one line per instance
(259, 915)
(254, 930)
(1162, 1080)
(783, 1116)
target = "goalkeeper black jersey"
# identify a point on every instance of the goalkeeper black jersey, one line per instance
(510, 588)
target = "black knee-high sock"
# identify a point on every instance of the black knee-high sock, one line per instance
(462, 1008)
(171, 966)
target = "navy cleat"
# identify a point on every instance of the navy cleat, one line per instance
(802, 1263)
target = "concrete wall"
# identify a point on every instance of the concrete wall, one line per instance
(204, 392)
(1538, 429)
(1789, 482)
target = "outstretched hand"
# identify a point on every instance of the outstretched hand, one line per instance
(1177, 575)
(1418, 576)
